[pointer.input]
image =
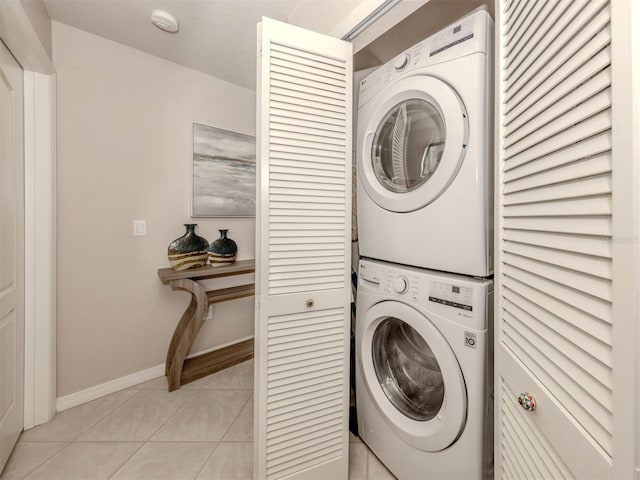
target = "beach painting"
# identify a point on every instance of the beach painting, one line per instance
(224, 173)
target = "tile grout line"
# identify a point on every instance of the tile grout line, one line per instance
(236, 417)
(44, 461)
(142, 444)
(206, 461)
(85, 430)
(366, 464)
(184, 402)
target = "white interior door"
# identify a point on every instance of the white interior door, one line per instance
(566, 250)
(303, 233)
(11, 253)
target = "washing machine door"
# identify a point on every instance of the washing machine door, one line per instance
(413, 144)
(413, 376)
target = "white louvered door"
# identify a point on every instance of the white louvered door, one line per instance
(303, 224)
(565, 315)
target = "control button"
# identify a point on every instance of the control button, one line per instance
(401, 284)
(401, 62)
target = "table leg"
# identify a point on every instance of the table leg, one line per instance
(186, 330)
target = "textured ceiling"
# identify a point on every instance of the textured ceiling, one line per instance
(216, 37)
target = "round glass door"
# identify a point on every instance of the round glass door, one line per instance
(412, 143)
(412, 375)
(408, 145)
(407, 370)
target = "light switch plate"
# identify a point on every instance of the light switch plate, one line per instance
(139, 228)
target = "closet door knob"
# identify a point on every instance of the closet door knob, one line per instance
(310, 303)
(527, 401)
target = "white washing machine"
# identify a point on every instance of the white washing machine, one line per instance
(425, 153)
(423, 371)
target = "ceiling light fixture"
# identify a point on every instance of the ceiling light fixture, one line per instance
(164, 21)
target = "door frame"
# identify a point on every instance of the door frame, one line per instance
(18, 33)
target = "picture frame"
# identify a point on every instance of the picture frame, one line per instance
(223, 173)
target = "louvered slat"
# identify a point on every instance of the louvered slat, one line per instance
(548, 126)
(598, 247)
(553, 106)
(582, 31)
(307, 80)
(594, 356)
(514, 12)
(292, 116)
(578, 132)
(569, 303)
(541, 98)
(586, 167)
(528, 31)
(549, 77)
(591, 146)
(548, 36)
(555, 195)
(577, 262)
(599, 225)
(286, 334)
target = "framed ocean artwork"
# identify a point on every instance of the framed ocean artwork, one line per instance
(223, 180)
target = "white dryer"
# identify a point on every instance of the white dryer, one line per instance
(425, 153)
(423, 371)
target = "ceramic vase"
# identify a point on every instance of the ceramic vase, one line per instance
(188, 251)
(223, 250)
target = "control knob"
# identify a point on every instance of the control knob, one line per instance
(400, 284)
(401, 62)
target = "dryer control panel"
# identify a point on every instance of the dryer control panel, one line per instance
(471, 34)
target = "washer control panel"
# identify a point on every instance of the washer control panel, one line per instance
(456, 296)
(401, 284)
(451, 294)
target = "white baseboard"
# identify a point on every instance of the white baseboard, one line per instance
(122, 383)
(107, 388)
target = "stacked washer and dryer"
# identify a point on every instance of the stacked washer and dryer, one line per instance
(424, 302)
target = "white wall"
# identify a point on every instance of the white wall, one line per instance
(124, 147)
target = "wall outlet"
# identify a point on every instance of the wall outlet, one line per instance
(139, 228)
(209, 315)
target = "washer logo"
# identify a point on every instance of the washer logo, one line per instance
(470, 339)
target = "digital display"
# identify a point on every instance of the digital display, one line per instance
(457, 29)
(451, 295)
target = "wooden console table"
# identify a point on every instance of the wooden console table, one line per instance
(179, 369)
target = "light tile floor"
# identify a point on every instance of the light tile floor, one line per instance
(202, 431)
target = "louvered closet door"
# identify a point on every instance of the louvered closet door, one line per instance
(303, 238)
(558, 335)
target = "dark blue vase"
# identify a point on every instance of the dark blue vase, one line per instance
(223, 250)
(188, 251)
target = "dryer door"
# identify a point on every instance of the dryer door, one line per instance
(413, 144)
(413, 376)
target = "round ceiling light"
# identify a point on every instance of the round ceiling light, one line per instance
(164, 21)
